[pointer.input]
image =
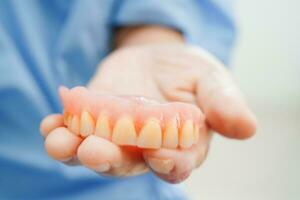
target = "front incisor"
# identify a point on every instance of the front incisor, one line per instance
(186, 139)
(150, 135)
(102, 127)
(87, 124)
(74, 124)
(124, 132)
(170, 136)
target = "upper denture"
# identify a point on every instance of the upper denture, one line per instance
(134, 121)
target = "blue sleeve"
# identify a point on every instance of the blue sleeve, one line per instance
(206, 23)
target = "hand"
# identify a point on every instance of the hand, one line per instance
(165, 73)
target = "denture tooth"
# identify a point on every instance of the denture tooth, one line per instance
(170, 136)
(186, 137)
(66, 116)
(87, 124)
(102, 127)
(150, 136)
(74, 124)
(124, 132)
(69, 120)
(196, 133)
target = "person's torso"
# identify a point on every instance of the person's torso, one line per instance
(44, 44)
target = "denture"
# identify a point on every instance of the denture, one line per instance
(131, 120)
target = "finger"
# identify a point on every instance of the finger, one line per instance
(106, 157)
(223, 105)
(62, 145)
(179, 95)
(51, 122)
(175, 165)
(179, 90)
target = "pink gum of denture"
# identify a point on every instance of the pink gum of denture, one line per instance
(131, 120)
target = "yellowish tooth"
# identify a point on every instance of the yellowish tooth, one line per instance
(102, 127)
(124, 132)
(196, 133)
(69, 120)
(186, 137)
(66, 116)
(170, 136)
(74, 124)
(87, 124)
(150, 136)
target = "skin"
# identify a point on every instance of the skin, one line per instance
(153, 61)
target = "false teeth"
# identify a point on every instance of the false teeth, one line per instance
(170, 136)
(186, 138)
(87, 124)
(150, 135)
(124, 132)
(74, 124)
(103, 127)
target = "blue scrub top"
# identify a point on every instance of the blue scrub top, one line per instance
(44, 44)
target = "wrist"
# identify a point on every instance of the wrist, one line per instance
(147, 34)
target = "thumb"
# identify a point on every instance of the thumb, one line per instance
(222, 103)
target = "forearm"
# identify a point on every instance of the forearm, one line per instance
(148, 34)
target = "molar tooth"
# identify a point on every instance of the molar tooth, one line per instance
(66, 116)
(102, 127)
(186, 137)
(150, 135)
(69, 120)
(170, 136)
(124, 132)
(74, 124)
(196, 133)
(87, 124)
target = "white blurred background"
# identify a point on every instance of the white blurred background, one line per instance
(267, 67)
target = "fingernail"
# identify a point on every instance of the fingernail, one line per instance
(162, 166)
(103, 167)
